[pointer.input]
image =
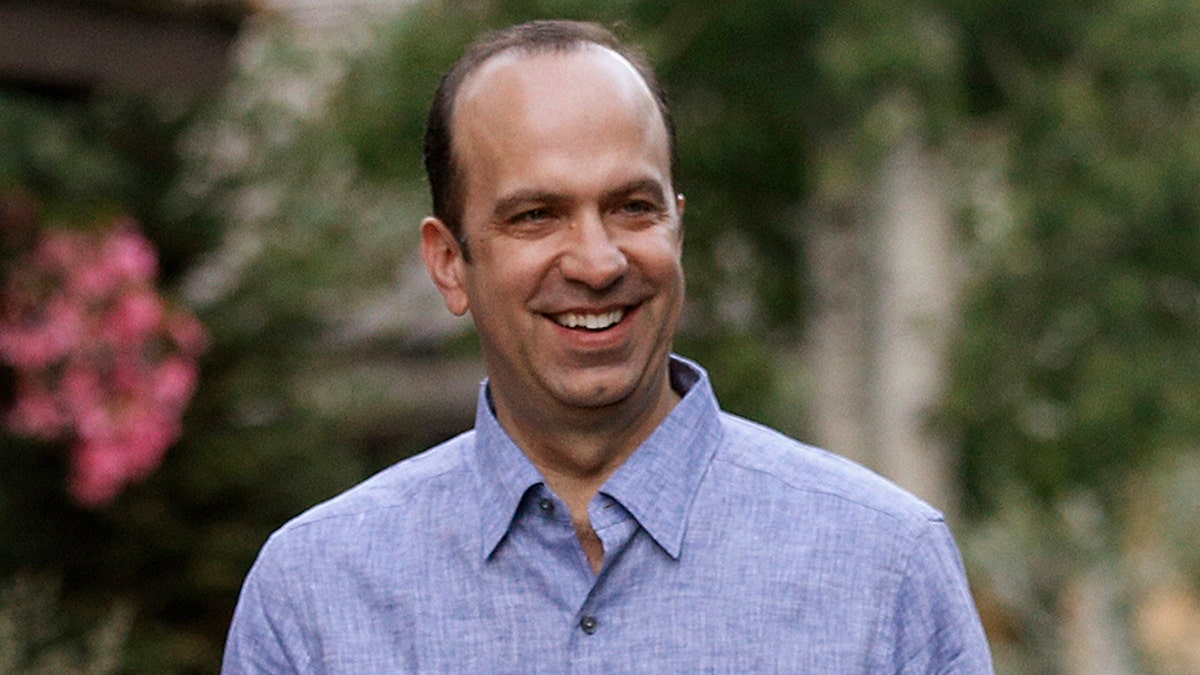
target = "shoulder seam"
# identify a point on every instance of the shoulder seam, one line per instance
(311, 517)
(923, 512)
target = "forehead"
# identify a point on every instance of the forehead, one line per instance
(546, 68)
(589, 91)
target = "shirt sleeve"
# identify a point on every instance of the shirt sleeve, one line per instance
(265, 636)
(936, 623)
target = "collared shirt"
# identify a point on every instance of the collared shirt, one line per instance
(728, 548)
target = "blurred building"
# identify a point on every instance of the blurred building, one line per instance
(72, 47)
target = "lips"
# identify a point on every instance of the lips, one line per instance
(589, 321)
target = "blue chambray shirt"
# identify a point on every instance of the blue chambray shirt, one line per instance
(729, 548)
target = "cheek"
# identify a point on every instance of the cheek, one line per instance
(660, 257)
(505, 276)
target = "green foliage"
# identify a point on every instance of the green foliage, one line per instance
(35, 641)
(736, 75)
(113, 154)
(1078, 361)
(61, 149)
(1021, 559)
(1172, 486)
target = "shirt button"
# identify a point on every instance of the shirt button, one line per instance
(546, 506)
(588, 624)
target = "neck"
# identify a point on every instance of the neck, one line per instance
(576, 450)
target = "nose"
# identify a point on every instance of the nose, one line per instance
(592, 257)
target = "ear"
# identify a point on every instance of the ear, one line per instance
(445, 264)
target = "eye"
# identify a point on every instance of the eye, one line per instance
(638, 207)
(638, 213)
(531, 222)
(533, 215)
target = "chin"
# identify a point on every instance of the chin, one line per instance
(602, 398)
(596, 394)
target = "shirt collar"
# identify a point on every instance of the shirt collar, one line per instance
(659, 481)
(505, 473)
(657, 484)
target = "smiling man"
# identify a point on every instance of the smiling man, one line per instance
(604, 515)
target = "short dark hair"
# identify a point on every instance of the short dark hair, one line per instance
(534, 37)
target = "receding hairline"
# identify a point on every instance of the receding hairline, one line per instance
(468, 86)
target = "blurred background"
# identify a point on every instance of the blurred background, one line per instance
(957, 241)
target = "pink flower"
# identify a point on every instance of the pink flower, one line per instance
(100, 359)
(188, 333)
(97, 472)
(81, 388)
(24, 348)
(62, 330)
(59, 250)
(91, 279)
(136, 316)
(147, 432)
(128, 255)
(37, 413)
(173, 382)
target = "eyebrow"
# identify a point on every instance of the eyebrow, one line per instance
(511, 202)
(656, 188)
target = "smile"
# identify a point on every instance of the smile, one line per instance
(589, 321)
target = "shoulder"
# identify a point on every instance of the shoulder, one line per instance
(395, 498)
(817, 515)
(786, 467)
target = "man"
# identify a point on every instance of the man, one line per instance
(604, 515)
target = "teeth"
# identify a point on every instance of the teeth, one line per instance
(590, 321)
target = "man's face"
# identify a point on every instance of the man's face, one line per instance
(575, 282)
